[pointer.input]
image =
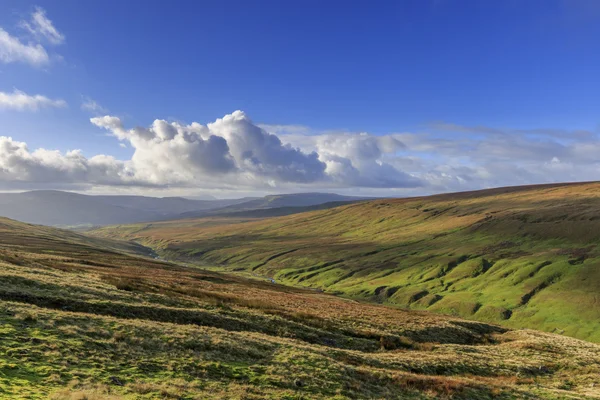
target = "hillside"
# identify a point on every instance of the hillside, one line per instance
(521, 256)
(84, 322)
(236, 212)
(284, 204)
(19, 236)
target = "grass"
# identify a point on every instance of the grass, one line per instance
(524, 257)
(80, 320)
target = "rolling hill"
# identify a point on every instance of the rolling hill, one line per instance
(80, 319)
(167, 206)
(520, 256)
(51, 207)
(57, 208)
(284, 203)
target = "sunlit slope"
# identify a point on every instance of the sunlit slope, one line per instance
(79, 322)
(523, 257)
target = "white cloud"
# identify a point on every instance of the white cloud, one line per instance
(13, 50)
(91, 105)
(231, 149)
(235, 154)
(19, 164)
(452, 157)
(42, 28)
(230, 153)
(21, 101)
(285, 129)
(356, 159)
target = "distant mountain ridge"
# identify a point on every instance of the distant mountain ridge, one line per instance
(58, 208)
(285, 204)
(166, 205)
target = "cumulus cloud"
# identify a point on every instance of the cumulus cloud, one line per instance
(41, 27)
(168, 153)
(234, 153)
(356, 159)
(19, 164)
(260, 153)
(231, 152)
(21, 101)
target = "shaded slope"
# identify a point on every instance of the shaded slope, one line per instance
(21, 236)
(523, 257)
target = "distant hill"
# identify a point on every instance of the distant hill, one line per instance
(520, 256)
(66, 209)
(202, 197)
(63, 208)
(167, 206)
(49, 207)
(286, 203)
(292, 200)
(274, 212)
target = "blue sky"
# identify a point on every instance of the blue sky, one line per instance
(453, 77)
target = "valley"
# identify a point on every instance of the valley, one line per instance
(85, 318)
(522, 257)
(299, 200)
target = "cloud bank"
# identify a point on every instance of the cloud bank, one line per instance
(452, 157)
(229, 153)
(233, 153)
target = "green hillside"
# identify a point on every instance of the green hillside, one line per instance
(79, 320)
(521, 257)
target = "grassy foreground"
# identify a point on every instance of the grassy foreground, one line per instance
(521, 257)
(79, 320)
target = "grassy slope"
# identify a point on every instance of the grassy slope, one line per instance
(523, 257)
(78, 321)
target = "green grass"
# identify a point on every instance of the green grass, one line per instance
(520, 257)
(84, 321)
